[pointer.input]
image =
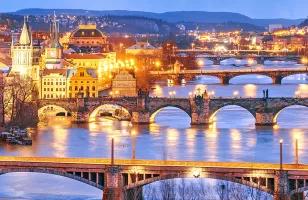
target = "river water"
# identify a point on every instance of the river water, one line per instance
(233, 136)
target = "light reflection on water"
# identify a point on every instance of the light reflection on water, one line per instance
(232, 137)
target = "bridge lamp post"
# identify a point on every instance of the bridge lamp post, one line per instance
(280, 152)
(296, 152)
(112, 151)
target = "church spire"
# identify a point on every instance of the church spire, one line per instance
(25, 37)
(54, 33)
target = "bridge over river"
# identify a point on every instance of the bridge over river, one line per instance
(259, 56)
(226, 75)
(142, 109)
(119, 178)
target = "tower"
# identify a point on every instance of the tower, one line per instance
(54, 52)
(22, 52)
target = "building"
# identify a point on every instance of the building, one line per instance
(25, 55)
(87, 38)
(83, 83)
(54, 51)
(104, 64)
(143, 48)
(124, 85)
(54, 84)
(102, 61)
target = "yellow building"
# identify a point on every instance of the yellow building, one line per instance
(83, 83)
(103, 61)
(54, 84)
(103, 64)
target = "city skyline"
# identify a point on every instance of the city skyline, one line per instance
(291, 9)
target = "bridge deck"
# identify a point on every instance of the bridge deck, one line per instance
(155, 163)
(213, 71)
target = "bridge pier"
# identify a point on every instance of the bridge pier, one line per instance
(113, 184)
(260, 60)
(277, 80)
(265, 119)
(225, 80)
(216, 61)
(140, 117)
(200, 110)
(80, 117)
(281, 190)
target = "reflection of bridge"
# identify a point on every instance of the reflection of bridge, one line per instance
(201, 109)
(118, 181)
(225, 75)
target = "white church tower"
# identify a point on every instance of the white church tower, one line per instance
(22, 52)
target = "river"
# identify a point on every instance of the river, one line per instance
(233, 136)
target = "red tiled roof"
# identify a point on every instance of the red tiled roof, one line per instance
(54, 71)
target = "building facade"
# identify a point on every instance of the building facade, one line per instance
(124, 85)
(83, 83)
(87, 38)
(54, 84)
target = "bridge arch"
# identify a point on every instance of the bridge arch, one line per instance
(251, 184)
(255, 74)
(277, 113)
(52, 172)
(216, 110)
(154, 112)
(52, 111)
(112, 110)
(292, 74)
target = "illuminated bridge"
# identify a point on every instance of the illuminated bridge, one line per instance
(143, 108)
(226, 75)
(259, 56)
(123, 176)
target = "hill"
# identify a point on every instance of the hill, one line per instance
(171, 17)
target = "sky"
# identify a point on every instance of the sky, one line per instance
(252, 8)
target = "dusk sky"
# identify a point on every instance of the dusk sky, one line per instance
(251, 8)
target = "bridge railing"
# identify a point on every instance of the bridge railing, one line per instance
(7, 161)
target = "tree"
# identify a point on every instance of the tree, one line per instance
(19, 94)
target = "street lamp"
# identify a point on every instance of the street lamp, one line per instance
(280, 153)
(112, 151)
(296, 152)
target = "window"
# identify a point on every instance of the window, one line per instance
(81, 74)
(70, 88)
(51, 89)
(76, 88)
(88, 88)
(45, 89)
(93, 94)
(93, 88)
(81, 88)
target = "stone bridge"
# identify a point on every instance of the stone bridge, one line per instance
(226, 75)
(201, 109)
(259, 56)
(120, 178)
